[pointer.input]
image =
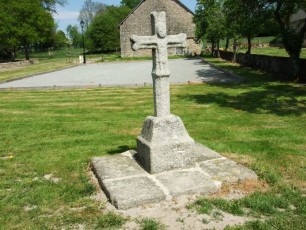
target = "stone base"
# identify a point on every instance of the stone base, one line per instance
(128, 185)
(164, 144)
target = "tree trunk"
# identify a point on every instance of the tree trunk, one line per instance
(218, 49)
(249, 46)
(27, 52)
(234, 50)
(295, 61)
(227, 43)
(212, 48)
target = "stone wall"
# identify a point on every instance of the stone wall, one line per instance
(15, 64)
(280, 66)
(179, 20)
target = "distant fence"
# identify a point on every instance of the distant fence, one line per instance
(276, 65)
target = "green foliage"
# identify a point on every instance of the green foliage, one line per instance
(130, 3)
(245, 18)
(150, 224)
(23, 23)
(292, 38)
(74, 35)
(110, 220)
(60, 39)
(210, 20)
(203, 206)
(103, 31)
(90, 10)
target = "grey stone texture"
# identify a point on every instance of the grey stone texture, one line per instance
(185, 182)
(179, 20)
(159, 42)
(227, 171)
(128, 186)
(164, 144)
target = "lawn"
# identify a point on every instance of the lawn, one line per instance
(273, 51)
(44, 65)
(48, 137)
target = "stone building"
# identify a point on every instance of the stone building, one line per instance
(138, 22)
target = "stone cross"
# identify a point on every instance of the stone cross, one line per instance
(160, 42)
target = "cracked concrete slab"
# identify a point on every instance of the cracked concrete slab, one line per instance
(127, 185)
(182, 182)
(132, 192)
(227, 171)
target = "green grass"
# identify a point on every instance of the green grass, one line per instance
(259, 123)
(44, 65)
(273, 51)
(151, 224)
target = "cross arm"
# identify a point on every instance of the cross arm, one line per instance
(143, 42)
(177, 40)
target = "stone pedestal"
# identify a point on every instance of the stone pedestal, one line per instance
(164, 144)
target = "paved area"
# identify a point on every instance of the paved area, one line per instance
(123, 74)
(127, 185)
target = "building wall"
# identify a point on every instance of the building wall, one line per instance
(179, 20)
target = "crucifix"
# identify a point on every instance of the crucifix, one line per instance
(160, 42)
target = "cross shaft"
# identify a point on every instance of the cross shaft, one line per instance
(159, 42)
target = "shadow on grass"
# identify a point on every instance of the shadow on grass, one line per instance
(120, 149)
(280, 100)
(265, 94)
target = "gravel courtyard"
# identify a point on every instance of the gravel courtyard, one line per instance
(122, 74)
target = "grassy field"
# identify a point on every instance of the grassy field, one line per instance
(273, 51)
(44, 65)
(48, 137)
(59, 59)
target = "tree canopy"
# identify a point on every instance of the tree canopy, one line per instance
(292, 37)
(24, 23)
(103, 31)
(130, 3)
(90, 10)
(248, 18)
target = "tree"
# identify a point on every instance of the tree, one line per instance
(103, 31)
(248, 16)
(130, 3)
(210, 22)
(292, 38)
(60, 39)
(74, 35)
(24, 23)
(90, 10)
(50, 5)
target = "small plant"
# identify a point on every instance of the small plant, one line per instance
(203, 206)
(150, 224)
(110, 220)
(217, 216)
(232, 207)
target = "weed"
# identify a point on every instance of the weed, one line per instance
(110, 220)
(150, 224)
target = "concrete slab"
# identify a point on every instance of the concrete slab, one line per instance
(113, 167)
(227, 171)
(128, 185)
(132, 192)
(184, 182)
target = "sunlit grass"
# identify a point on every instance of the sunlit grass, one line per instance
(259, 123)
